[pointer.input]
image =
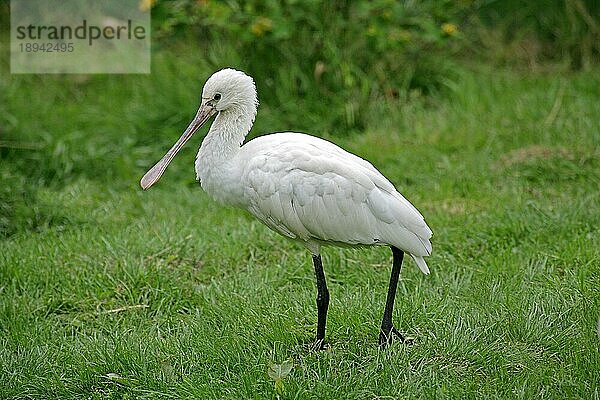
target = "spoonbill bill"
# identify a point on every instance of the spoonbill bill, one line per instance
(303, 187)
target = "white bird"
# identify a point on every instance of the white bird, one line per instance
(301, 186)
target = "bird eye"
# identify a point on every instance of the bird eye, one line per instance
(217, 96)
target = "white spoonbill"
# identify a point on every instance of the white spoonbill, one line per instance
(303, 187)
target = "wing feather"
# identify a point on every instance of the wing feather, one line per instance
(307, 188)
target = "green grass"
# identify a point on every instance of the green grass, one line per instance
(110, 292)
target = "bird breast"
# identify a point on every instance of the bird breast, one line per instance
(219, 178)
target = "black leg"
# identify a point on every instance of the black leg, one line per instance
(387, 327)
(322, 300)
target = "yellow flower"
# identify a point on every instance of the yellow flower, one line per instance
(449, 29)
(261, 25)
(372, 30)
(145, 5)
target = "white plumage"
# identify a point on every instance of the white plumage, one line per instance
(311, 190)
(304, 187)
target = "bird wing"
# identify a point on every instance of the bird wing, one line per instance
(308, 188)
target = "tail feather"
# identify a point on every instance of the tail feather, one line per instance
(421, 263)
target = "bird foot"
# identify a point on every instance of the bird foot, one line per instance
(386, 337)
(318, 345)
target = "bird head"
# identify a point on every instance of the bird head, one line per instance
(230, 90)
(226, 91)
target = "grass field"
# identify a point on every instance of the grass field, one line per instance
(109, 292)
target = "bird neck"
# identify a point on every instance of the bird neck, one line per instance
(227, 133)
(223, 142)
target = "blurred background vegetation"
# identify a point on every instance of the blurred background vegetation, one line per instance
(329, 68)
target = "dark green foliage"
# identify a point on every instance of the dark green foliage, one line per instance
(559, 30)
(310, 55)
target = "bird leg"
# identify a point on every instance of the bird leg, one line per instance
(322, 300)
(387, 327)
